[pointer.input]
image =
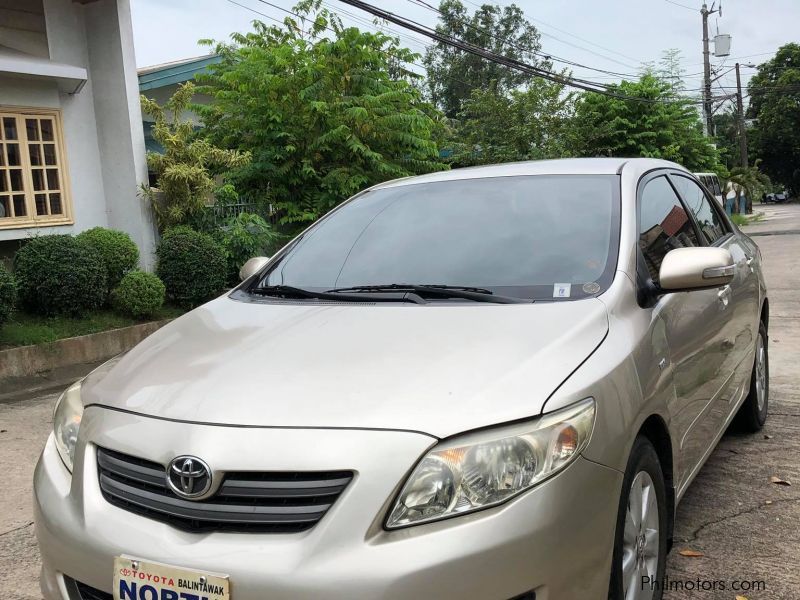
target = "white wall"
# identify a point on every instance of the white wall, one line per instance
(103, 135)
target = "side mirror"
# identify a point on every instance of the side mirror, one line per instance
(252, 266)
(686, 269)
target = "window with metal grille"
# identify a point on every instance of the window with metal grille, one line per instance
(33, 185)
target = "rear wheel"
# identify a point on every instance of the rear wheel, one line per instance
(753, 413)
(640, 545)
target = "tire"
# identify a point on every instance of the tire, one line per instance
(753, 412)
(638, 547)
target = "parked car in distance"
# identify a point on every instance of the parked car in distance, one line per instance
(776, 197)
(711, 181)
(494, 382)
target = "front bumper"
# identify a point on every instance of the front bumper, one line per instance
(556, 539)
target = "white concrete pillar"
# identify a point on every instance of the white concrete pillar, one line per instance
(115, 87)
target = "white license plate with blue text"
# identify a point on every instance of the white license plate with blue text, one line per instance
(136, 579)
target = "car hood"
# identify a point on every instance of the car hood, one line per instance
(437, 369)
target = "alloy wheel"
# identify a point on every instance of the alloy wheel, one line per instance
(640, 542)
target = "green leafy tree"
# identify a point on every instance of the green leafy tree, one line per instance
(749, 182)
(775, 104)
(316, 105)
(453, 74)
(726, 137)
(525, 124)
(661, 125)
(185, 171)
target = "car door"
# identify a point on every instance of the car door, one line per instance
(736, 343)
(694, 322)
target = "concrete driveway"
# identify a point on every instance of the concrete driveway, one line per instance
(746, 528)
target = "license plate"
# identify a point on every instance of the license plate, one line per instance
(136, 579)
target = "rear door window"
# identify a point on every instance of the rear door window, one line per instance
(711, 223)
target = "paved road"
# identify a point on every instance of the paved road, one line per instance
(746, 527)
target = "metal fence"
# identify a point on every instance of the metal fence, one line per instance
(219, 213)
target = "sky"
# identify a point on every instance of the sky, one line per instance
(613, 35)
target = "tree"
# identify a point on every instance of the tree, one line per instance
(315, 104)
(659, 125)
(185, 171)
(775, 104)
(750, 182)
(453, 74)
(525, 124)
(726, 137)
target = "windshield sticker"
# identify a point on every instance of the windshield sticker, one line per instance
(561, 290)
(591, 288)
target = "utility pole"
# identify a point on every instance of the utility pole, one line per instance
(704, 12)
(742, 128)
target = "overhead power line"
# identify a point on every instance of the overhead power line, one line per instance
(577, 37)
(683, 6)
(278, 21)
(523, 67)
(542, 53)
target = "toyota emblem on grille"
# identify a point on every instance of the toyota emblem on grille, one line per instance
(188, 477)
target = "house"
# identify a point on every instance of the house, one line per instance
(72, 151)
(160, 82)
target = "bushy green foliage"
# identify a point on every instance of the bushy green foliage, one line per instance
(324, 114)
(526, 124)
(138, 294)
(185, 171)
(243, 237)
(775, 104)
(8, 294)
(116, 249)
(191, 265)
(57, 274)
(454, 75)
(662, 125)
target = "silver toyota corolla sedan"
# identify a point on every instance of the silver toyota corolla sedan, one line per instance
(487, 383)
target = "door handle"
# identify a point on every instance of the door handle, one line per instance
(749, 262)
(724, 295)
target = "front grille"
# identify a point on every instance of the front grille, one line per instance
(80, 591)
(258, 502)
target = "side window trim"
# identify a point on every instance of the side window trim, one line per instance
(714, 207)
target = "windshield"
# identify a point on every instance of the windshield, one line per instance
(539, 237)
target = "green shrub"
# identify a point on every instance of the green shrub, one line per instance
(139, 294)
(57, 274)
(243, 237)
(191, 265)
(116, 249)
(8, 294)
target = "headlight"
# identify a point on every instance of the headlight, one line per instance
(487, 468)
(67, 422)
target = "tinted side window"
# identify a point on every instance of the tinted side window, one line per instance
(663, 224)
(710, 222)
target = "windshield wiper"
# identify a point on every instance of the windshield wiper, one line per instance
(292, 292)
(476, 294)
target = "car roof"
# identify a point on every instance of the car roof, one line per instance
(561, 166)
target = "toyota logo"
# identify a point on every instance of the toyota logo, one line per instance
(188, 477)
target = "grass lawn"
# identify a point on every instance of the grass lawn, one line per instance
(24, 329)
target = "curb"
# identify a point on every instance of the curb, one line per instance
(28, 361)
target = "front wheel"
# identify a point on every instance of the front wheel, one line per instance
(640, 544)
